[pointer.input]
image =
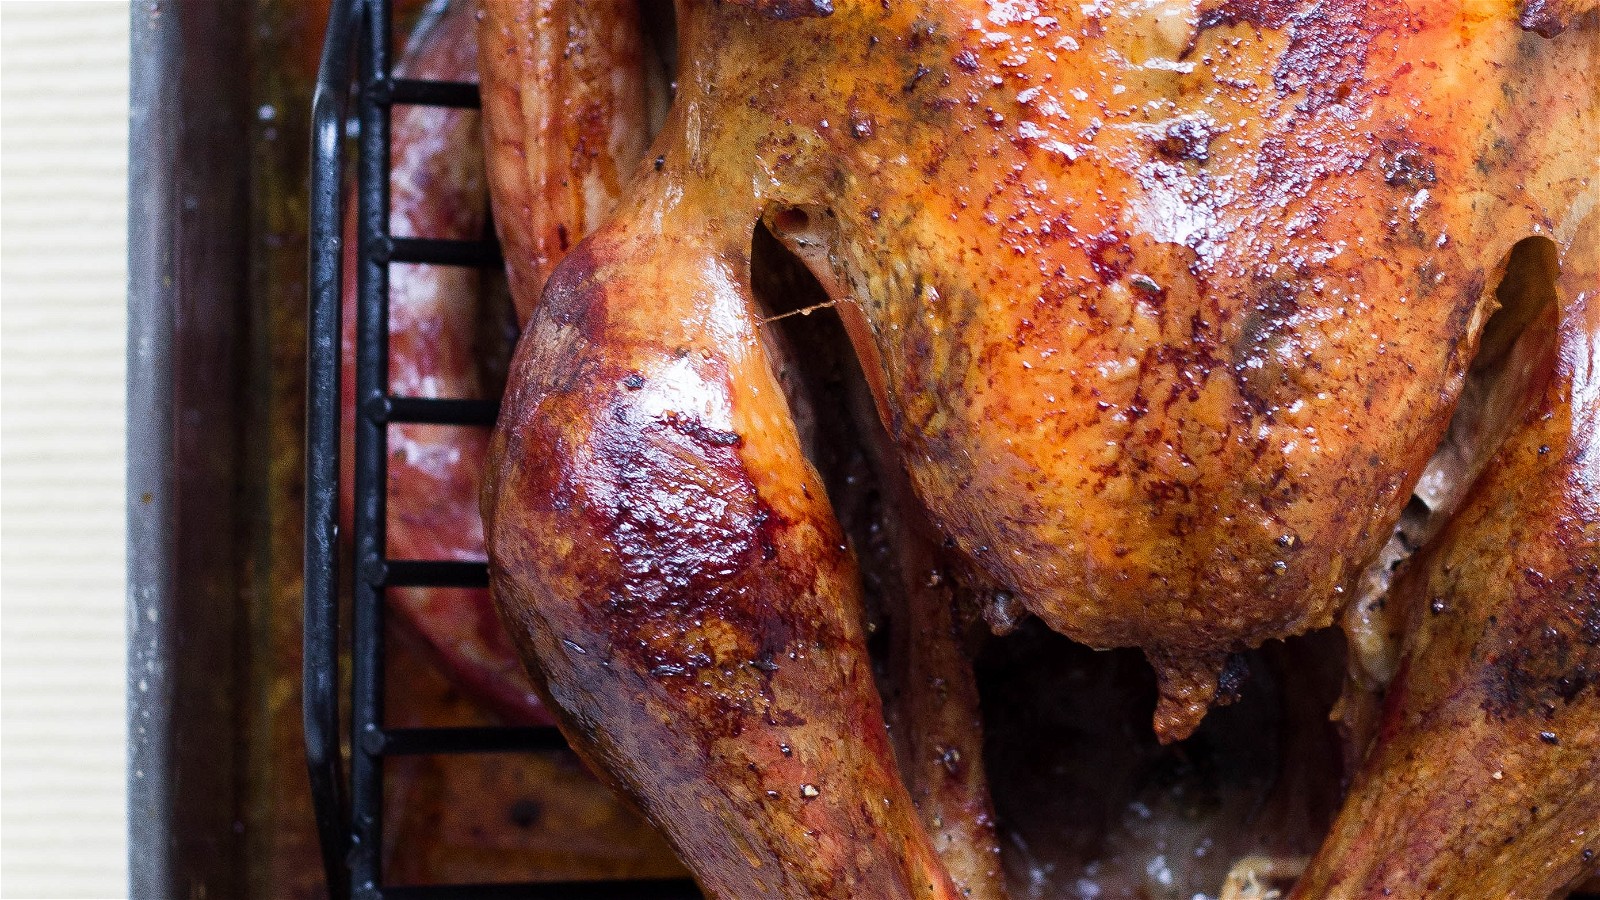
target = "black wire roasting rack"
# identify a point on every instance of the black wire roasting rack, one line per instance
(356, 62)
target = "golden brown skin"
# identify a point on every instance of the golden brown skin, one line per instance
(532, 162)
(1165, 308)
(568, 98)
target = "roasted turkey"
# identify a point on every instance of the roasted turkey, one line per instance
(864, 340)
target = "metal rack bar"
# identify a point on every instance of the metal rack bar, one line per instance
(459, 95)
(434, 741)
(472, 254)
(428, 573)
(371, 449)
(320, 673)
(350, 815)
(436, 411)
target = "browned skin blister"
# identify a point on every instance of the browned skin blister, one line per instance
(1164, 308)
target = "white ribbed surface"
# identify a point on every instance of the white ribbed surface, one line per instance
(63, 193)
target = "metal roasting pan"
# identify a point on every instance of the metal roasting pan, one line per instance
(220, 802)
(220, 805)
(186, 321)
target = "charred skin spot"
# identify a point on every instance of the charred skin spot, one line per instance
(1193, 362)
(1260, 13)
(692, 541)
(1328, 42)
(1109, 255)
(1187, 140)
(1326, 59)
(1554, 658)
(1327, 52)
(692, 427)
(1549, 18)
(1260, 377)
(783, 10)
(917, 75)
(1231, 680)
(1405, 163)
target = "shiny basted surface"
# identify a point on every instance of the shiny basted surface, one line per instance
(1184, 320)
(1164, 307)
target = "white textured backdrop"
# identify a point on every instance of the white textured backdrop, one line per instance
(63, 194)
